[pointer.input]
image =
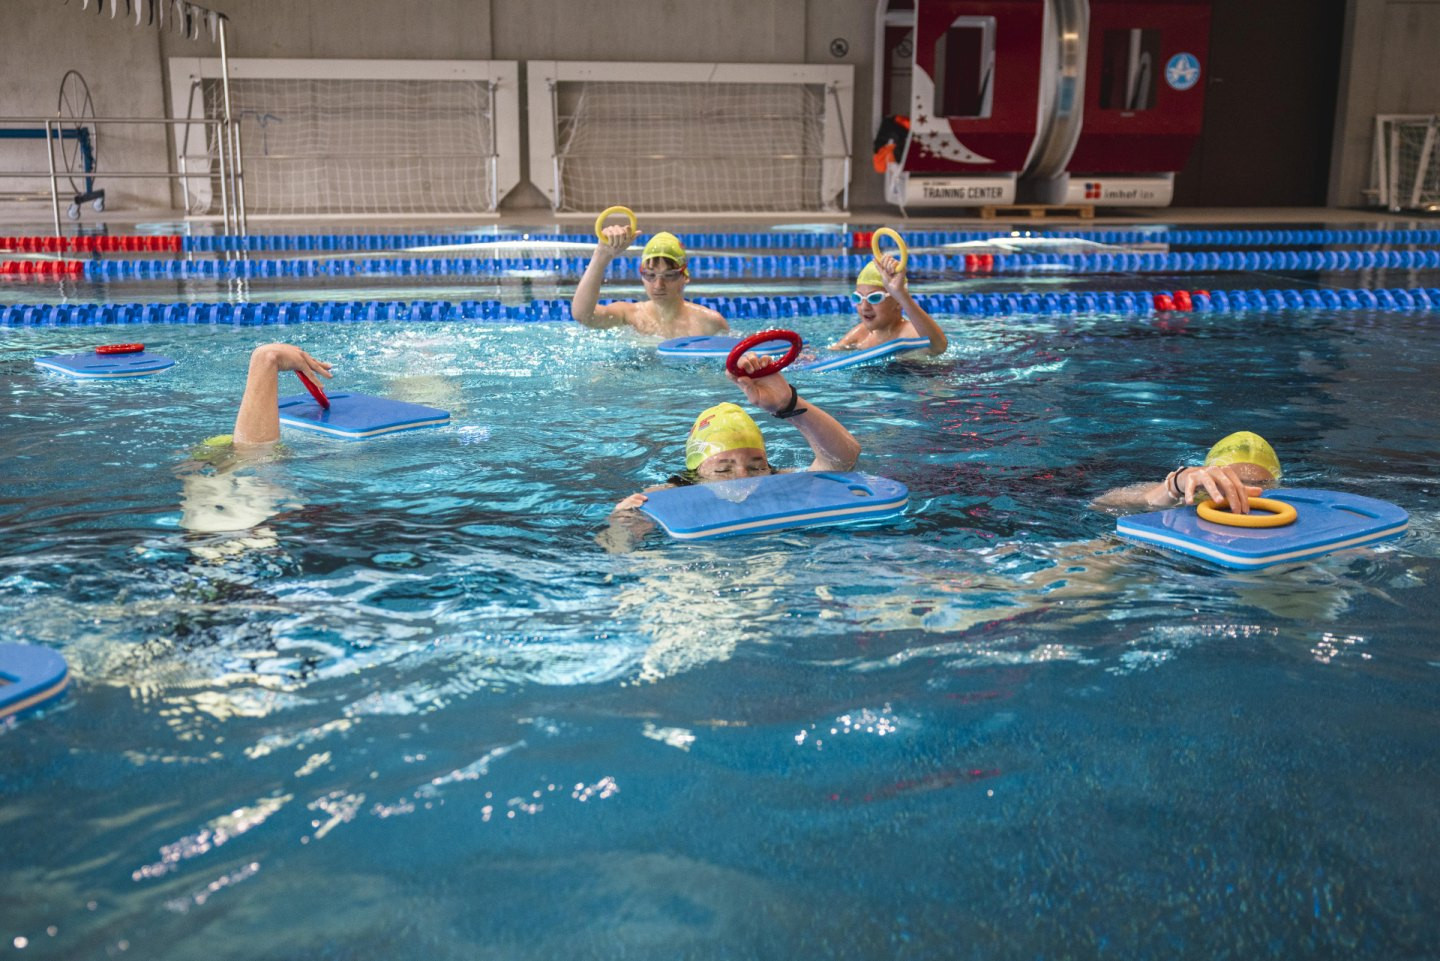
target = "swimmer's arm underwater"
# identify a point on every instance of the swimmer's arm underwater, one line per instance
(258, 419)
(585, 306)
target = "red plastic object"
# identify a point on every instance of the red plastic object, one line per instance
(314, 390)
(1163, 302)
(764, 337)
(119, 348)
(1182, 300)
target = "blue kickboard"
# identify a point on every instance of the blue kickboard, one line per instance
(93, 366)
(754, 504)
(358, 416)
(1325, 521)
(854, 358)
(30, 677)
(696, 348)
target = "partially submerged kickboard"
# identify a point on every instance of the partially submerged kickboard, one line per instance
(358, 416)
(754, 504)
(1325, 521)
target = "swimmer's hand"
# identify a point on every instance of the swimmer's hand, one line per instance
(630, 503)
(893, 276)
(618, 238)
(770, 393)
(627, 526)
(280, 357)
(1222, 484)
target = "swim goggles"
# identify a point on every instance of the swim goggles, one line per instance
(669, 276)
(874, 297)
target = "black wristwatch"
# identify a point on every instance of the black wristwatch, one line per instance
(790, 410)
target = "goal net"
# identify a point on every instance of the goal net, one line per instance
(355, 145)
(1407, 162)
(690, 145)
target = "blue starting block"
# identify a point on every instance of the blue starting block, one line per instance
(93, 366)
(751, 505)
(358, 416)
(30, 677)
(1325, 521)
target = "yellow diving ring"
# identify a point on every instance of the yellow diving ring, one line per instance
(617, 209)
(1281, 514)
(899, 242)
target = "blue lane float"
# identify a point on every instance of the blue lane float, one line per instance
(358, 416)
(1325, 521)
(841, 238)
(1016, 303)
(824, 267)
(30, 678)
(94, 366)
(754, 505)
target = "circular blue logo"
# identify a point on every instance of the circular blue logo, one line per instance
(1183, 71)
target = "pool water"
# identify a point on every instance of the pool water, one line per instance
(392, 700)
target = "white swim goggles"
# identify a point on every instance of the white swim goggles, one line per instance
(874, 297)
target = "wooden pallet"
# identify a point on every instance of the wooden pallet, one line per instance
(1038, 211)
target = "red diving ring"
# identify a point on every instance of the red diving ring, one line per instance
(314, 390)
(732, 363)
(119, 348)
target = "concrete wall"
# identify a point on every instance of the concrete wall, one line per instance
(39, 42)
(1389, 65)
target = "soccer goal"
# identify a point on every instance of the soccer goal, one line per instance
(371, 138)
(1406, 171)
(708, 138)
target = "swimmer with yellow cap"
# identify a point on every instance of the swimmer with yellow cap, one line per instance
(1240, 466)
(725, 443)
(887, 311)
(664, 270)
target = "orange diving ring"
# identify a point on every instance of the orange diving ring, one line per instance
(1281, 514)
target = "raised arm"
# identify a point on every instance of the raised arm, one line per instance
(258, 420)
(918, 316)
(585, 305)
(835, 447)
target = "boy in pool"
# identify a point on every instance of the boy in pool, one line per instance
(663, 269)
(726, 444)
(887, 311)
(1237, 468)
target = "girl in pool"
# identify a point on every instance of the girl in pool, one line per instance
(1237, 468)
(663, 269)
(726, 444)
(887, 311)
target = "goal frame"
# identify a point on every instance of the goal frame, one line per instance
(542, 76)
(191, 149)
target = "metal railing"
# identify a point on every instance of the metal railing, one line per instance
(55, 127)
(227, 144)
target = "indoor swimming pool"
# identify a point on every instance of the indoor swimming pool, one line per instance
(395, 700)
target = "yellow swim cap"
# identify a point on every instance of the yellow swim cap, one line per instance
(721, 428)
(1244, 447)
(667, 245)
(871, 275)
